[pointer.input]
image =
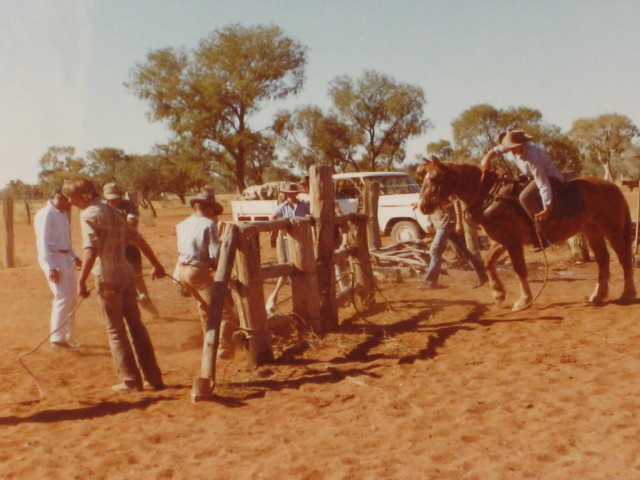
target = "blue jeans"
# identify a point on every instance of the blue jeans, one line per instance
(442, 236)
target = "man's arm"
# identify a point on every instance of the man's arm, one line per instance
(141, 243)
(88, 259)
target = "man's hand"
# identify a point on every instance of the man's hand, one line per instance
(77, 263)
(543, 215)
(54, 275)
(82, 289)
(158, 272)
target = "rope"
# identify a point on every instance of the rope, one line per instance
(21, 357)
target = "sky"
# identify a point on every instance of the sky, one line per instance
(63, 63)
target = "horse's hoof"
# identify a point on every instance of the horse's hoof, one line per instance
(627, 299)
(521, 305)
(498, 301)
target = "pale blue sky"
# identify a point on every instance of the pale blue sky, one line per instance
(63, 62)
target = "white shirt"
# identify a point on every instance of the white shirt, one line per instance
(198, 242)
(535, 163)
(53, 237)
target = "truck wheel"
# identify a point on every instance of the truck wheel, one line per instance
(404, 231)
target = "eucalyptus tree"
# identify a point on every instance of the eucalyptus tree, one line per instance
(214, 91)
(605, 139)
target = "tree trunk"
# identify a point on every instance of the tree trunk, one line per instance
(608, 174)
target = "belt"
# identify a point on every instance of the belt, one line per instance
(61, 251)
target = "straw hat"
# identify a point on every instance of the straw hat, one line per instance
(513, 138)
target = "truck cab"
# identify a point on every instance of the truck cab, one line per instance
(398, 193)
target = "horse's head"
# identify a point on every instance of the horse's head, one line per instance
(438, 183)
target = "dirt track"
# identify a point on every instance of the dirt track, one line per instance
(434, 385)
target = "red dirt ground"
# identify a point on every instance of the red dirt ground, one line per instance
(428, 385)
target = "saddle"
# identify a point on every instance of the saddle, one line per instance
(567, 200)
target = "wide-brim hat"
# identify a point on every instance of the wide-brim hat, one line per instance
(207, 200)
(291, 187)
(514, 138)
(111, 191)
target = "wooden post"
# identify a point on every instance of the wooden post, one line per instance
(361, 266)
(323, 209)
(371, 196)
(27, 211)
(637, 224)
(249, 296)
(7, 209)
(203, 385)
(304, 280)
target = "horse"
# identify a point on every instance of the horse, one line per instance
(590, 205)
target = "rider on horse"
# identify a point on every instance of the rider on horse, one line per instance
(532, 161)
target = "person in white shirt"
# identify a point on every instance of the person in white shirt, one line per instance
(198, 250)
(532, 161)
(59, 264)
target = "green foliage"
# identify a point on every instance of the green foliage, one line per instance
(382, 113)
(212, 92)
(56, 165)
(442, 149)
(605, 139)
(367, 129)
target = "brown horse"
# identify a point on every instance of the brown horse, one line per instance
(593, 206)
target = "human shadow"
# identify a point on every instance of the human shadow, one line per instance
(101, 409)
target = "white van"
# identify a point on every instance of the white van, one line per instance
(396, 215)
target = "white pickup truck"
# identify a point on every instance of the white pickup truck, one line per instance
(396, 215)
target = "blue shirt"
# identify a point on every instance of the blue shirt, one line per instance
(286, 210)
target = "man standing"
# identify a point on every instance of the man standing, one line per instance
(57, 260)
(113, 195)
(449, 228)
(198, 249)
(104, 237)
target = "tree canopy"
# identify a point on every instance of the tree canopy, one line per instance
(212, 92)
(604, 139)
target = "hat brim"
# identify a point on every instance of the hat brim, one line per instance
(112, 196)
(510, 144)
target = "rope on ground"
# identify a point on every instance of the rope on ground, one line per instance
(21, 357)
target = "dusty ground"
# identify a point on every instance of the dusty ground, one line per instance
(429, 385)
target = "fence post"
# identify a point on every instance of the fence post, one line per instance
(361, 265)
(249, 296)
(323, 209)
(7, 209)
(304, 280)
(371, 195)
(203, 385)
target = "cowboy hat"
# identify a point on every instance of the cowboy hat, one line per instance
(206, 200)
(513, 138)
(291, 187)
(112, 191)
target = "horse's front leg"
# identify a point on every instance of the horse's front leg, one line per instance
(497, 288)
(516, 252)
(599, 247)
